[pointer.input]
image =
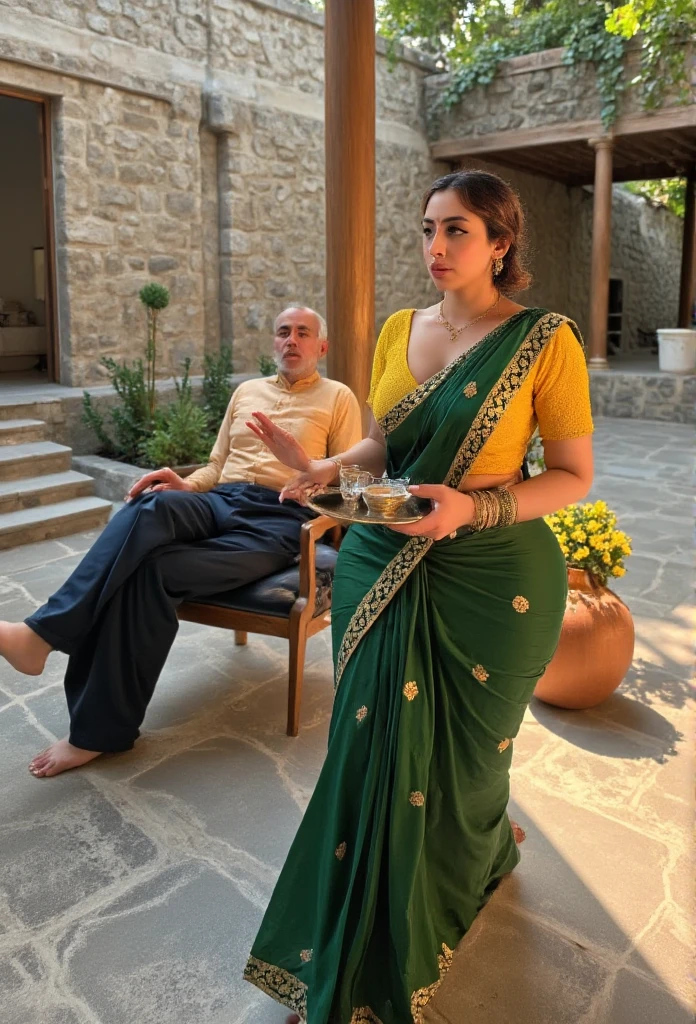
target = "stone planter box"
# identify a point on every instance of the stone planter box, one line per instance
(112, 479)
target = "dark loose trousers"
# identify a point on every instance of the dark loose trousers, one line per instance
(115, 616)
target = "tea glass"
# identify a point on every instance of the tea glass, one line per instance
(353, 481)
(385, 497)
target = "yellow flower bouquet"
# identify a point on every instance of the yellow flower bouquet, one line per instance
(589, 539)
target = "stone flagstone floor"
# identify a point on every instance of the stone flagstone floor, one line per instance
(130, 891)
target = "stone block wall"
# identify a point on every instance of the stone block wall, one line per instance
(532, 91)
(646, 248)
(646, 244)
(188, 148)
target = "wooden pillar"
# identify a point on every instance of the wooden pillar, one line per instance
(688, 263)
(349, 61)
(601, 253)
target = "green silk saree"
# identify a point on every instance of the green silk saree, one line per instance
(437, 649)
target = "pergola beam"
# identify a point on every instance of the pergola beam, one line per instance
(488, 145)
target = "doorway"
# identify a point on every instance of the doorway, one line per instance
(615, 320)
(28, 335)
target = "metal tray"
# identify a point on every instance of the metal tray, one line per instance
(330, 503)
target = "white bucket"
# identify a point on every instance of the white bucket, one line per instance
(677, 348)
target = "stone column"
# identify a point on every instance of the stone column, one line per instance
(349, 60)
(601, 253)
(688, 264)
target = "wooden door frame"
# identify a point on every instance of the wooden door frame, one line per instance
(51, 296)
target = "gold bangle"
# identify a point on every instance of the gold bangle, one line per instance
(496, 507)
(337, 463)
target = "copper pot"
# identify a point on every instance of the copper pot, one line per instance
(596, 646)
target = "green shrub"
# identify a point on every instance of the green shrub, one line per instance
(267, 365)
(131, 421)
(181, 435)
(217, 386)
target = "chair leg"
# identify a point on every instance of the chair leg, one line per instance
(298, 644)
(240, 637)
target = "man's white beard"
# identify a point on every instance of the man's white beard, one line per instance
(302, 369)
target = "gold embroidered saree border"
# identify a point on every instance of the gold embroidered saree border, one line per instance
(498, 399)
(405, 406)
(364, 1015)
(289, 991)
(402, 565)
(422, 996)
(278, 983)
(378, 597)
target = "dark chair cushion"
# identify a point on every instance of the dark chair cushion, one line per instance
(276, 594)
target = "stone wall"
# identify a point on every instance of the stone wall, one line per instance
(532, 91)
(188, 147)
(646, 243)
(646, 247)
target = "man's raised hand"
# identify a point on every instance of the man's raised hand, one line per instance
(281, 443)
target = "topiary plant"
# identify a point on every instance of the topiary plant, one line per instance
(155, 297)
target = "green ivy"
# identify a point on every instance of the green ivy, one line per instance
(472, 39)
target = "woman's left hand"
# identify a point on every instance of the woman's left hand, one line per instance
(452, 510)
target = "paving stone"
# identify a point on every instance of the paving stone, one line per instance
(636, 1001)
(137, 883)
(174, 952)
(519, 967)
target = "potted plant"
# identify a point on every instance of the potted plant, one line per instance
(597, 639)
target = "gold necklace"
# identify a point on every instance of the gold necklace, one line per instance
(456, 331)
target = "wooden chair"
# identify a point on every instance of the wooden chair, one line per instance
(294, 603)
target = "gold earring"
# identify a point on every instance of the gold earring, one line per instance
(497, 267)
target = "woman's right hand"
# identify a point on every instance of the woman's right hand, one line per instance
(320, 474)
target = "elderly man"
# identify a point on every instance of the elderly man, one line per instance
(177, 539)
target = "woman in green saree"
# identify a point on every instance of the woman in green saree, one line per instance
(441, 629)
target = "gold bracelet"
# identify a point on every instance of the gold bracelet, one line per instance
(496, 507)
(508, 506)
(337, 463)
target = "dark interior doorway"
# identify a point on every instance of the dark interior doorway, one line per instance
(27, 298)
(615, 318)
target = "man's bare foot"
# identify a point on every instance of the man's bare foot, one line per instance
(293, 1019)
(518, 832)
(60, 758)
(23, 648)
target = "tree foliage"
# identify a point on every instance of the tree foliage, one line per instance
(668, 192)
(472, 38)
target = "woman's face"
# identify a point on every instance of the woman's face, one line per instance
(456, 247)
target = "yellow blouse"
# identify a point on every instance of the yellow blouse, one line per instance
(555, 394)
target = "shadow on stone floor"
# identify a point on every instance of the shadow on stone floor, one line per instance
(648, 682)
(520, 949)
(596, 730)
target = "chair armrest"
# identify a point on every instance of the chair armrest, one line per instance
(310, 533)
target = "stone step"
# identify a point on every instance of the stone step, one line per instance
(30, 525)
(33, 491)
(33, 459)
(21, 431)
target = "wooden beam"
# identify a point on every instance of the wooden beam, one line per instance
(687, 281)
(349, 58)
(498, 142)
(666, 119)
(601, 254)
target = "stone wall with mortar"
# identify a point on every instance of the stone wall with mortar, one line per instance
(188, 147)
(646, 244)
(646, 249)
(532, 91)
